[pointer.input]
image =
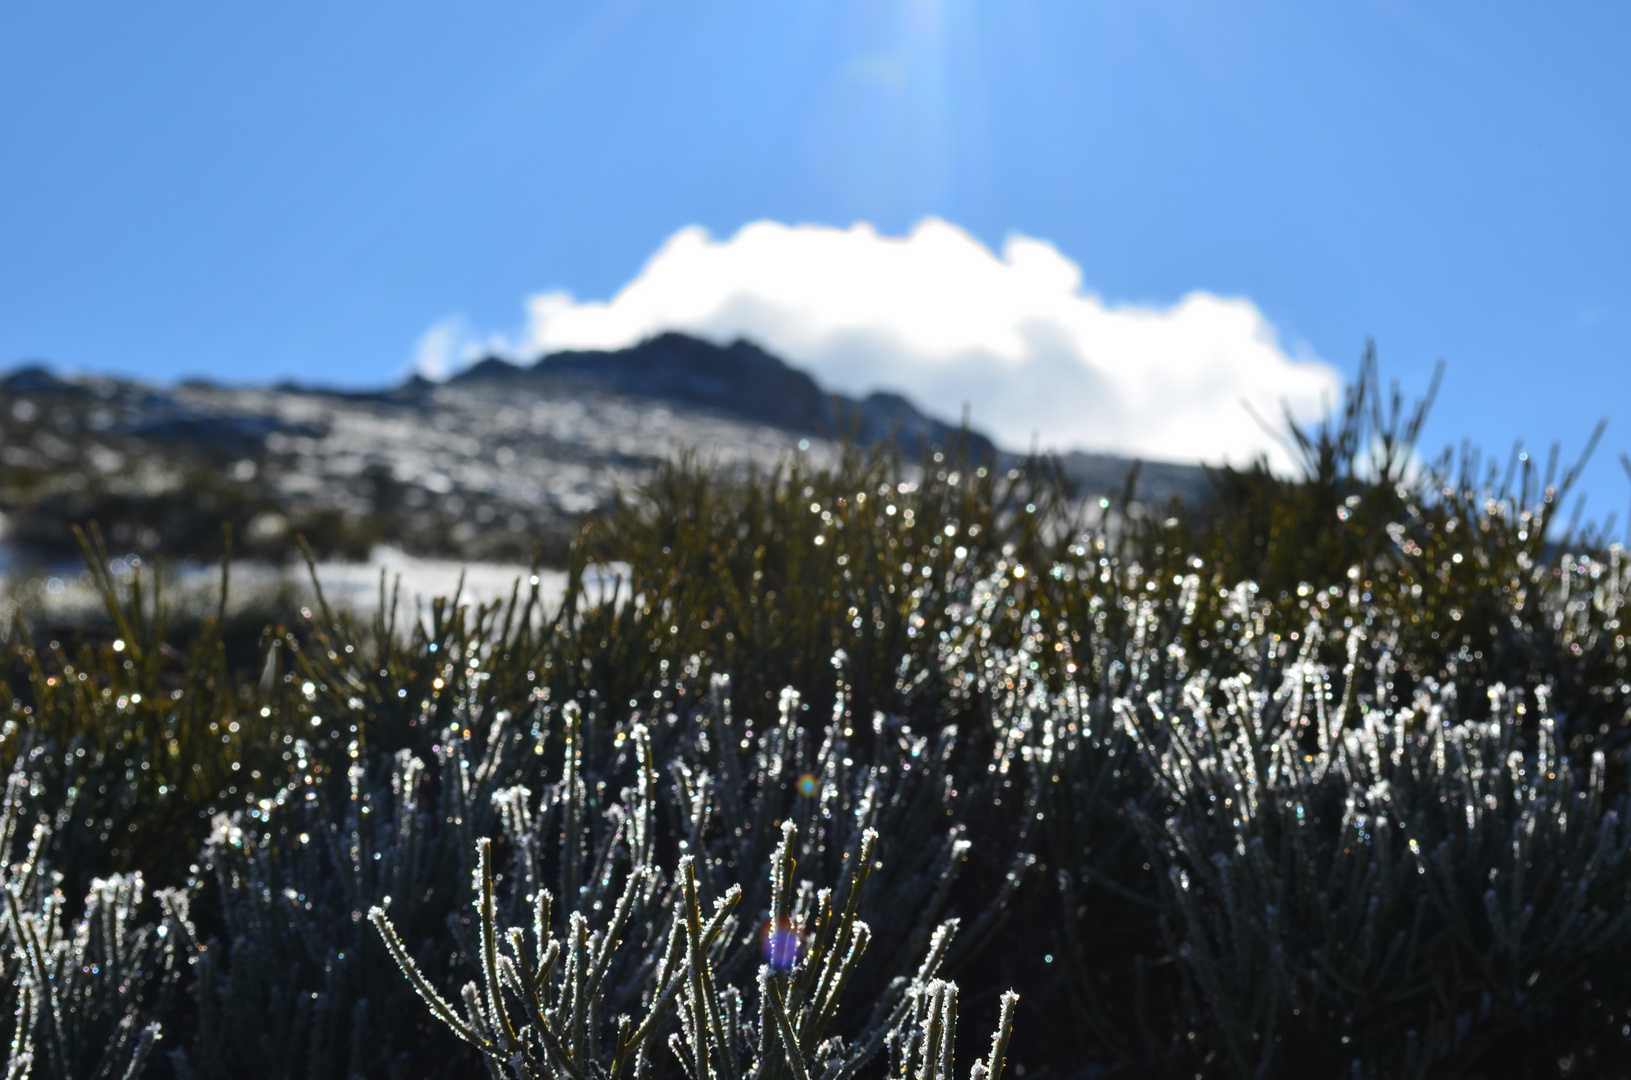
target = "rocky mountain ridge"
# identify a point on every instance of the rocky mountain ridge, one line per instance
(740, 380)
(491, 465)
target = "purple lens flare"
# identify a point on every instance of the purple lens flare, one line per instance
(782, 944)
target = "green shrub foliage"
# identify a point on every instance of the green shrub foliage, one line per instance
(1326, 776)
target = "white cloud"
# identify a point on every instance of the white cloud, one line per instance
(452, 344)
(436, 353)
(938, 316)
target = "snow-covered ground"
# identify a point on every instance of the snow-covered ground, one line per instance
(416, 582)
(491, 457)
(67, 594)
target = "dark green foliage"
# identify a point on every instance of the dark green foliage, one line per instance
(1465, 567)
(1324, 777)
(765, 576)
(138, 742)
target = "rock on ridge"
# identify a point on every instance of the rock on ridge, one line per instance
(740, 380)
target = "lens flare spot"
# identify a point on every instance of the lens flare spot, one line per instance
(781, 943)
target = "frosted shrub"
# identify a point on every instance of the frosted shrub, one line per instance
(1323, 777)
(539, 1009)
(577, 808)
(78, 992)
(1377, 885)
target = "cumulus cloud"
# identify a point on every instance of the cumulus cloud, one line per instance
(938, 316)
(449, 345)
(436, 351)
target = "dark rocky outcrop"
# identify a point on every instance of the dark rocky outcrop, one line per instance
(32, 379)
(740, 380)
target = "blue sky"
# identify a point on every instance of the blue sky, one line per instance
(263, 191)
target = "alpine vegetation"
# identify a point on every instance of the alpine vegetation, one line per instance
(1321, 776)
(810, 948)
(80, 992)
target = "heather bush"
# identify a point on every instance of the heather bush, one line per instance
(1324, 776)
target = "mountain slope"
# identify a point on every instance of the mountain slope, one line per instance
(488, 466)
